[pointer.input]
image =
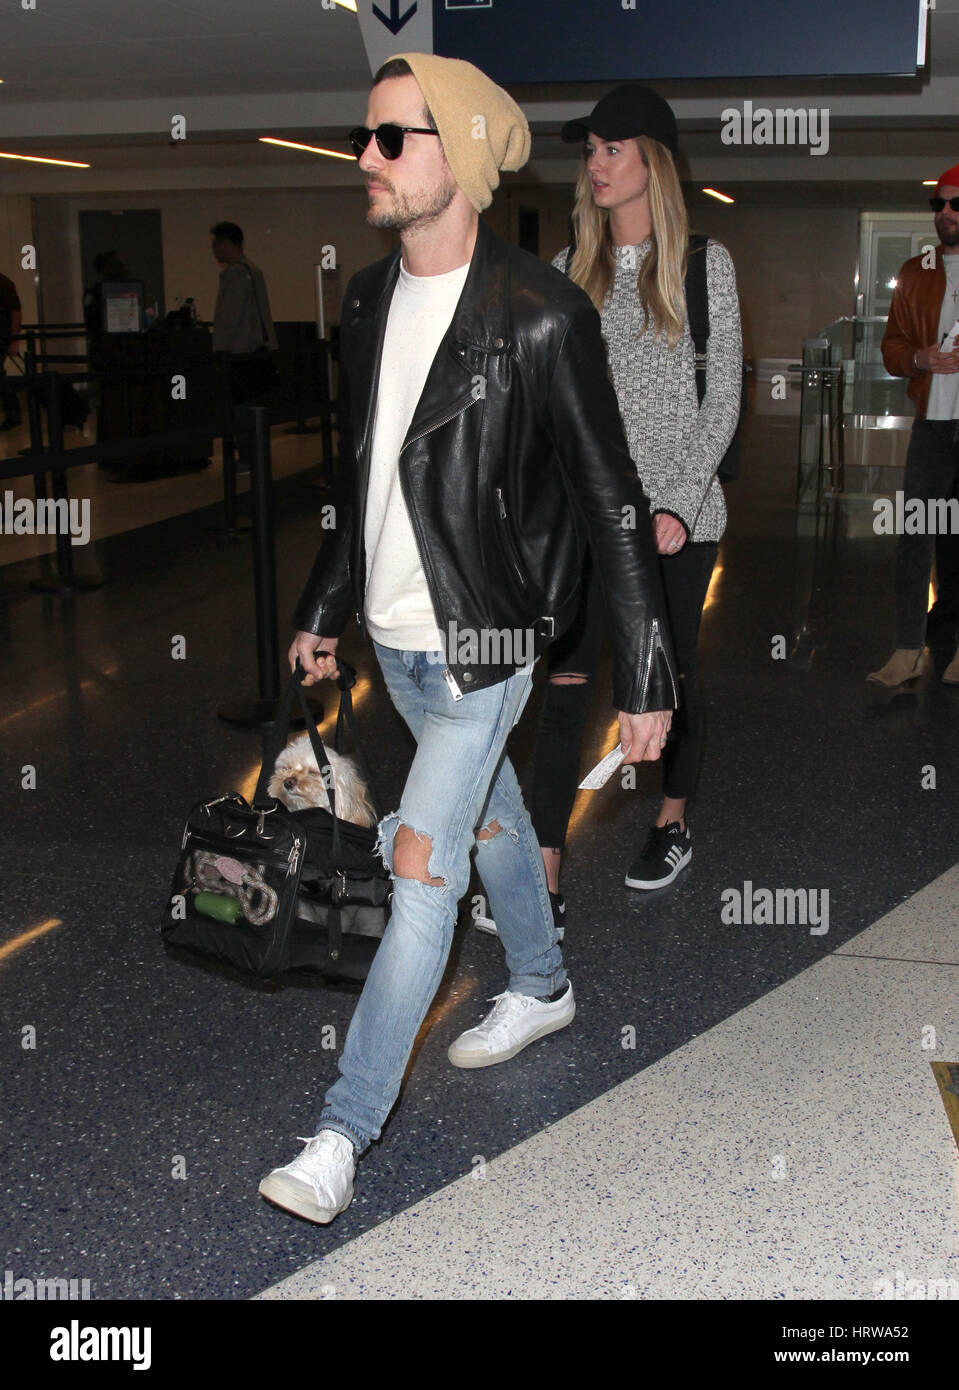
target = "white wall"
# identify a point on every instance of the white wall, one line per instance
(284, 233)
(795, 269)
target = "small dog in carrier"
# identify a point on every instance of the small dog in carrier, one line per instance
(298, 782)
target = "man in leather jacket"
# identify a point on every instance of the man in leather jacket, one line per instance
(483, 444)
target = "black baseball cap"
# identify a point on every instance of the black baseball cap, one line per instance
(627, 111)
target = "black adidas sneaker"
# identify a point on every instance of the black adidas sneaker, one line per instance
(667, 850)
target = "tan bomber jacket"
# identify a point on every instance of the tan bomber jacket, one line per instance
(914, 324)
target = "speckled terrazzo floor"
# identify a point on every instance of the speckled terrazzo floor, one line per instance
(145, 1067)
(799, 1150)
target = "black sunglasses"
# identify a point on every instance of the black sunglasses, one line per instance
(937, 204)
(389, 138)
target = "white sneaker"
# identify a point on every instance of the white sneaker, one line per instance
(485, 924)
(318, 1184)
(556, 901)
(514, 1021)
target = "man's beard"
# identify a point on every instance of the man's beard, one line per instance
(949, 236)
(413, 211)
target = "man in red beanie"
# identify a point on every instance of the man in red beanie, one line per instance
(920, 343)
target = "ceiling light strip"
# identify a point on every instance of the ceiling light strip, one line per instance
(310, 149)
(41, 159)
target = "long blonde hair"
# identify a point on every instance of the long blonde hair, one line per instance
(659, 282)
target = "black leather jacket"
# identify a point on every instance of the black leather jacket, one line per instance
(514, 459)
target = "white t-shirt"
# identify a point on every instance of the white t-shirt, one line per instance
(399, 612)
(944, 389)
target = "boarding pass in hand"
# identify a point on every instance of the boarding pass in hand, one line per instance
(603, 771)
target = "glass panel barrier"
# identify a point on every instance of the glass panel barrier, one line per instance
(855, 417)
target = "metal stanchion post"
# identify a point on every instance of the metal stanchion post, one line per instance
(33, 409)
(229, 484)
(34, 418)
(326, 419)
(301, 365)
(325, 481)
(231, 525)
(264, 561)
(261, 712)
(66, 580)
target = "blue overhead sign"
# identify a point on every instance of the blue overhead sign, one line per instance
(615, 40)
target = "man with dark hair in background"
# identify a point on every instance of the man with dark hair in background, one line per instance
(242, 324)
(10, 321)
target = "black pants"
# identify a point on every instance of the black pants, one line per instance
(251, 381)
(8, 396)
(556, 757)
(252, 375)
(932, 471)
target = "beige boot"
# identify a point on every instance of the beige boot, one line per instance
(950, 675)
(904, 665)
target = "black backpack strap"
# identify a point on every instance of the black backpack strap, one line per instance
(697, 306)
(345, 718)
(277, 742)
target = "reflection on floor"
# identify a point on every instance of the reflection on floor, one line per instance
(147, 1098)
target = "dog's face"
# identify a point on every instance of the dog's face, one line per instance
(296, 780)
(300, 785)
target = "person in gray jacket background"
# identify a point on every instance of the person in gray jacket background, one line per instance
(242, 323)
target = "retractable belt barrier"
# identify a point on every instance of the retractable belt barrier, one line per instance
(52, 460)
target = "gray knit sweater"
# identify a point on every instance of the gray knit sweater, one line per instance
(675, 445)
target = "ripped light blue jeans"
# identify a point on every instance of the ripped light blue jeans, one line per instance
(459, 783)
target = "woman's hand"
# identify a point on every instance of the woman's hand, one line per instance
(669, 533)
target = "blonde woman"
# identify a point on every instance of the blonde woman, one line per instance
(630, 257)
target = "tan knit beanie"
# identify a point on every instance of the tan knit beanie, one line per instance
(480, 125)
